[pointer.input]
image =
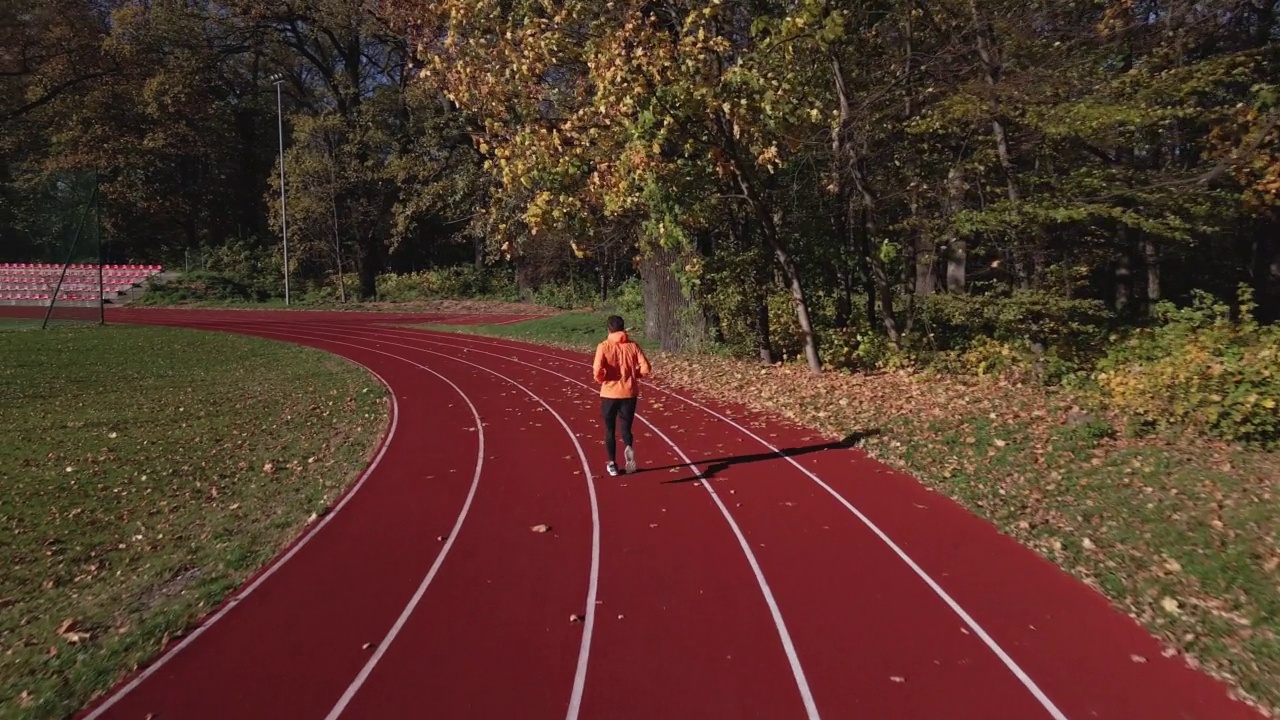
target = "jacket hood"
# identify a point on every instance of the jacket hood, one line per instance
(618, 337)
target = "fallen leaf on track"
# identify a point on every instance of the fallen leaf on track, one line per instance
(541, 528)
(575, 618)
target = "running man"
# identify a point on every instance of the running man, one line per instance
(618, 367)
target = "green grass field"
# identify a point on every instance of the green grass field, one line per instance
(146, 472)
(7, 323)
(572, 330)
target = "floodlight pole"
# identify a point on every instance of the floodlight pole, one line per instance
(284, 227)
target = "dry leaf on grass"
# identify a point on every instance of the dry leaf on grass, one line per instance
(70, 631)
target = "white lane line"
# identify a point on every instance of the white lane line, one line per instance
(588, 626)
(272, 567)
(390, 637)
(920, 572)
(407, 611)
(797, 671)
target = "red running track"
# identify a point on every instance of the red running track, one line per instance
(750, 570)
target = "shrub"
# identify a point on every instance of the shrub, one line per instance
(628, 298)
(1201, 370)
(567, 294)
(203, 285)
(1070, 329)
(258, 267)
(326, 291)
(457, 282)
(400, 287)
(469, 282)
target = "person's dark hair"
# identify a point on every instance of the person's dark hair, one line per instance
(615, 323)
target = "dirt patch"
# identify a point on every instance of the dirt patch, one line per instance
(180, 581)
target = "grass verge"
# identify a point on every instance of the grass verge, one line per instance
(460, 307)
(19, 323)
(146, 473)
(571, 331)
(1181, 534)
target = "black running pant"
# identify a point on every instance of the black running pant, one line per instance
(614, 409)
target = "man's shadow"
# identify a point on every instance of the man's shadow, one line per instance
(717, 465)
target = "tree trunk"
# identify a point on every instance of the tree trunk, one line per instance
(957, 249)
(840, 219)
(602, 275)
(864, 267)
(764, 342)
(790, 273)
(844, 298)
(666, 308)
(926, 256)
(786, 264)
(880, 279)
(370, 263)
(957, 259)
(1151, 258)
(850, 182)
(524, 285)
(1264, 271)
(337, 234)
(844, 238)
(993, 65)
(1122, 271)
(757, 285)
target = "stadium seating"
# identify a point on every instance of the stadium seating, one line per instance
(23, 283)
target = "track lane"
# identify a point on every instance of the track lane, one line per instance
(892, 631)
(700, 674)
(1079, 650)
(501, 604)
(1064, 635)
(246, 660)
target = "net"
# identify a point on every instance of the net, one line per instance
(75, 286)
(53, 272)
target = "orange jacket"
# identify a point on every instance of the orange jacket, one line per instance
(618, 366)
